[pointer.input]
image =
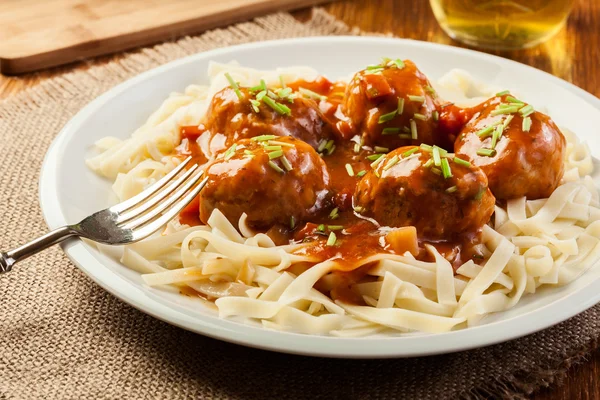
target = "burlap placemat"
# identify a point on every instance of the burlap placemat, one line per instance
(64, 337)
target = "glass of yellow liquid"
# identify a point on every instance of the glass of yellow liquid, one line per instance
(501, 24)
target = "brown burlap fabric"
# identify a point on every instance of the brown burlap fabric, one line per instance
(64, 337)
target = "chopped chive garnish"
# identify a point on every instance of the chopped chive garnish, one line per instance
(230, 151)
(281, 82)
(446, 171)
(335, 227)
(234, 85)
(380, 149)
(398, 63)
(390, 131)
(436, 115)
(400, 105)
(248, 153)
(486, 152)
(436, 156)
(479, 194)
(278, 143)
(255, 104)
(263, 138)
(417, 99)
(278, 107)
(357, 148)
(413, 130)
(334, 213)
(271, 94)
(430, 89)
(286, 163)
(286, 110)
(331, 239)
(371, 67)
(377, 162)
(362, 173)
(359, 209)
(249, 156)
(387, 117)
(436, 170)
(284, 93)
(511, 99)
(321, 228)
(261, 95)
(420, 116)
(496, 135)
(329, 145)
(292, 220)
(527, 110)
(487, 131)
(393, 161)
(428, 163)
(451, 189)
(404, 136)
(374, 157)
(526, 124)
(311, 95)
(506, 105)
(426, 147)
(272, 148)
(507, 110)
(322, 145)
(349, 170)
(331, 150)
(276, 167)
(462, 162)
(275, 154)
(376, 174)
(406, 129)
(507, 121)
(504, 92)
(410, 152)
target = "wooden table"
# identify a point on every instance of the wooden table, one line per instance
(574, 55)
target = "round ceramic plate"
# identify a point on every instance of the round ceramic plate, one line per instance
(69, 191)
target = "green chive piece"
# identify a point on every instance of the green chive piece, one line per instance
(526, 124)
(271, 94)
(451, 189)
(329, 144)
(278, 107)
(380, 149)
(357, 148)
(429, 163)
(255, 104)
(436, 156)
(278, 143)
(406, 129)
(496, 136)
(507, 121)
(335, 227)
(359, 209)
(248, 153)
(400, 105)
(462, 162)
(387, 117)
(377, 174)
(281, 82)
(397, 63)
(286, 163)
(321, 228)
(404, 136)
(377, 162)
(334, 213)
(436, 115)
(276, 167)
(234, 85)
(426, 147)
(286, 110)
(390, 131)
(292, 220)
(511, 99)
(436, 170)
(362, 173)
(284, 93)
(393, 161)
(479, 194)
(417, 99)
(261, 95)
(263, 138)
(430, 89)
(486, 152)
(349, 170)
(374, 157)
(503, 93)
(526, 111)
(413, 130)
(372, 67)
(322, 145)
(269, 147)
(311, 95)
(507, 110)
(410, 152)
(420, 116)
(331, 150)
(487, 131)
(446, 171)
(505, 105)
(332, 239)
(275, 154)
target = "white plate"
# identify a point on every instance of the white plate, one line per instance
(69, 191)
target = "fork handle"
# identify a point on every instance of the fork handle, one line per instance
(10, 258)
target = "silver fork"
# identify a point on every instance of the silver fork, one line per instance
(126, 222)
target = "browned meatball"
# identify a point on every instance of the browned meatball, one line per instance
(272, 181)
(523, 163)
(230, 119)
(372, 104)
(409, 190)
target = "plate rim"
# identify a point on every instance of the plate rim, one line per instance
(292, 343)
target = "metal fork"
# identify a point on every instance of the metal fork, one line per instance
(126, 222)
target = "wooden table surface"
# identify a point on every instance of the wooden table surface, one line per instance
(573, 54)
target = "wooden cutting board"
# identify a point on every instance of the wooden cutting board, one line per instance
(36, 34)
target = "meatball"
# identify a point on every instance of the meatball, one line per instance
(528, 153)
(271, 179)
(393, 105)
(407, 189)
(230, 119)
